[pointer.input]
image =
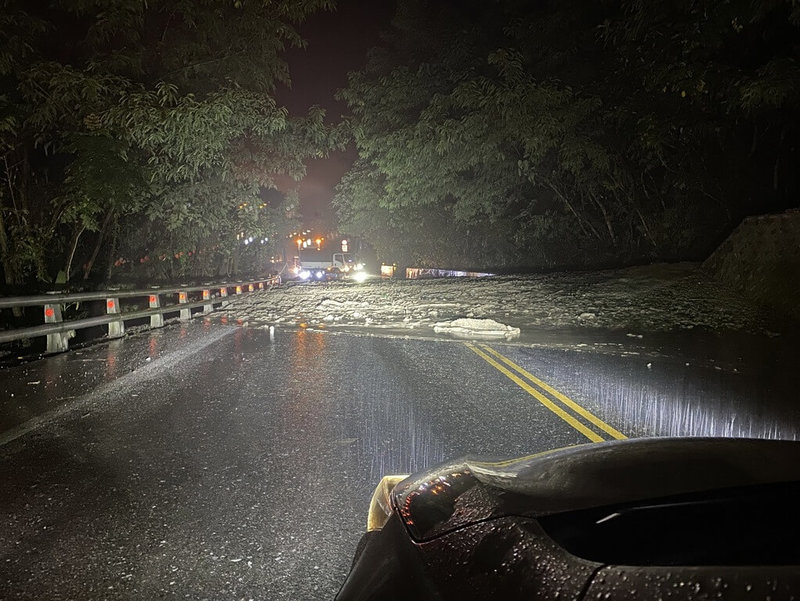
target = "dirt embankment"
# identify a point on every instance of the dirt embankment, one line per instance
(761, 259)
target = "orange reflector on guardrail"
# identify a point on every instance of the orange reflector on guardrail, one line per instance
(110, 304)
(152, 298)
(49, 312)
(182, 297)
(238, 289)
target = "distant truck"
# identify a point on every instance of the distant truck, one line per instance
(322, 265)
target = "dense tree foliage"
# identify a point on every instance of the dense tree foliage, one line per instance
(141, 136)
(541, 134)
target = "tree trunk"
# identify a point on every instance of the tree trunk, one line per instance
(111, 251)
(73, 247)
(10, 273)
(609, 227)
(572, 210)
(644, 225)
(754, 142)
(90, 263)
(8, 267)
(17, 176)
(234, 266)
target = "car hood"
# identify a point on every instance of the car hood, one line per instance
(459, 493)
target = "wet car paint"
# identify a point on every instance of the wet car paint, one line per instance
(708, 516)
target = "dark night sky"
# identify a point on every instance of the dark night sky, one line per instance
(337, 43)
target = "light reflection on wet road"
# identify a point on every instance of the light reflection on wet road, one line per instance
(666, 395)
(209, 461)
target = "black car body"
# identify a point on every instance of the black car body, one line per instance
(635, 519)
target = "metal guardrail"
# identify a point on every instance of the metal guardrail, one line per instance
(59, 332)
(416, 273)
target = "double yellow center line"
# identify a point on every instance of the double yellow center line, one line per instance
(564, 407)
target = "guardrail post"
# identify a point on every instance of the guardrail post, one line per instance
(207, 296)
(116, 329)
(186, 314)
(157, 320)
(223, 291)
(250, 287)
(238, 289)
(59, 342)
(261, 285)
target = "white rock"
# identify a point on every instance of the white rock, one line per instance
(476, 329)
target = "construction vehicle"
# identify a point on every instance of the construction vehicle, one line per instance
(323, 260)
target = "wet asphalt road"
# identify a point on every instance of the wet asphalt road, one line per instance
(209, 461)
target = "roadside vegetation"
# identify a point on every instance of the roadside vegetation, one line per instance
(141, 139)
(526, 135)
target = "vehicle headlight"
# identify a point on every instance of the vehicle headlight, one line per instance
(380, 507)
(304, 274)
(359, 266)
(360, 276)
(320, 274)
